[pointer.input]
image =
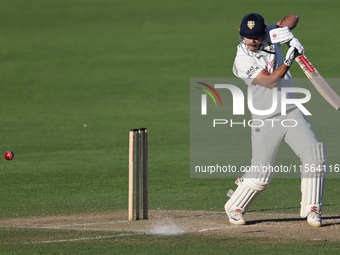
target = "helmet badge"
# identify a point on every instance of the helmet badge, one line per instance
(251, 24)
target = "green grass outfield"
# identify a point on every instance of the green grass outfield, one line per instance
(148, 244)
(76, 75)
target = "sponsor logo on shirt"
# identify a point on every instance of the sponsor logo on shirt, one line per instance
(252, 70)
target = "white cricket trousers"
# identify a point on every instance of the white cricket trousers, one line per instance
(293, 128)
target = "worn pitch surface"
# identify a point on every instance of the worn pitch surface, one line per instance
(282, 226)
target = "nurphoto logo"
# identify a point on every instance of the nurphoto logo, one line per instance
(239, 99)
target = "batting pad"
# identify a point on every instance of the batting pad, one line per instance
(245, 193)
(313, 174)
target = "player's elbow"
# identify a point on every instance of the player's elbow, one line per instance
(294, 21)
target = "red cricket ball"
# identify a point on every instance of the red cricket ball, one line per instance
(9, 155)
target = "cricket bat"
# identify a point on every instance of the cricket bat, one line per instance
(318, 81)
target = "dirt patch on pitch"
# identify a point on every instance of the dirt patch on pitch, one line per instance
(281, 226)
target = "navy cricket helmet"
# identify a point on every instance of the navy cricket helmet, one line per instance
(253, 26)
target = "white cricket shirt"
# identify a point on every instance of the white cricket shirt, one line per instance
(248, 66)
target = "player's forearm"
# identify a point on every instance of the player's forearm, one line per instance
(289, 21)
(271, 80)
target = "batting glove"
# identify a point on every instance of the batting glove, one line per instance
(280, 35)
(296, 43)
(292, 53)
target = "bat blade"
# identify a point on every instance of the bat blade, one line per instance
(318, 81)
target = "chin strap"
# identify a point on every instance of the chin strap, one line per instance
(270, 52)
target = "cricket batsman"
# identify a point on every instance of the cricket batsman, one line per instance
(261, 64)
